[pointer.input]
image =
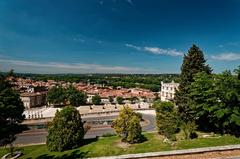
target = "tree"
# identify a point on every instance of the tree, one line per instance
(120, 100)
(127, 125)
(56, 96)
(111, 100)
(75, 97)
(96, 100)
(133, 100)
(10, 73)
(66, 130)
(237, 71)
(216, 102)
(156, 97)
(193, 63)
(11, 112)
(166, 118)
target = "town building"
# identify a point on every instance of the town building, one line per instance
(168, 90)
(31, 100)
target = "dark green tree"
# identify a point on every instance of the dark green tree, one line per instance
(57, 96)
(193, 63)
(127, 125)
(167, 119)
(120, 100)
(96, 100)
(10, 73)
(11, 112)
(111, 99)
(216, 102)
(75, 97)
(237, 71)
(66, 131)
(133, 100)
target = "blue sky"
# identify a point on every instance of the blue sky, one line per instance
(116, 36)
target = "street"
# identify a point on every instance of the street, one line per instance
(38, 136)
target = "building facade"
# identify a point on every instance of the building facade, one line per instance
(168, 90)
(31, 100)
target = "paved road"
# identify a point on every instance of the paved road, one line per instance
(39, 136)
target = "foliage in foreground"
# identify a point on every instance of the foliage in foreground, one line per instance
(127, 125)
(11, 112)
(215, 101)
(166, 118)
(193, 63)
(66, 130)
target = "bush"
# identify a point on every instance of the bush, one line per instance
(127, 125)
(189, 129)
(66, 130)
(166, 118)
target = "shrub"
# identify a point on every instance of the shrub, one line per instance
(189, 129)
(166, 118)
(127, 125)
(66, 130)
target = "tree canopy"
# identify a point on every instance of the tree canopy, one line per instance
(66, 131)
(11, 112)
(193, 63)
(167, 119)
(62, 96)
(127, 125)
(215, 100)
(56, 95)
(119, 100)
(96, 100)
(75, 97)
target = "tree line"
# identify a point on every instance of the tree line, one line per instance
(204, 101)
(146, 81)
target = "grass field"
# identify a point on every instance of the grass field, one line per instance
(107, 146)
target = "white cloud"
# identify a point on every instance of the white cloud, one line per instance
(133, 46)
(156, 50)
(226, 57)
(159, 51)
(72, 68)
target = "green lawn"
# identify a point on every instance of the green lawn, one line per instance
(112, 146)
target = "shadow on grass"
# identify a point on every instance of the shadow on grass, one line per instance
(89, 141)
(74, 154)
(71, 155)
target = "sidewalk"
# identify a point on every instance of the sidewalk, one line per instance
(175, 153)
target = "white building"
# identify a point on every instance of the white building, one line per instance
(33, 99)
(168, 90)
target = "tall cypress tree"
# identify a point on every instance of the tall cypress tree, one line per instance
(193, 63)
